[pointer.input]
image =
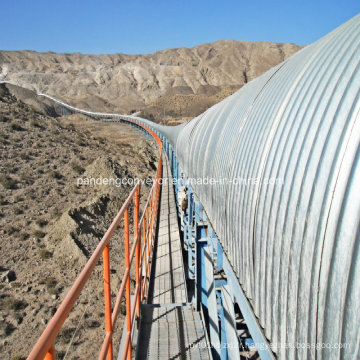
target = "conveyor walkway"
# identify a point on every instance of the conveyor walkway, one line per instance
(170, 328)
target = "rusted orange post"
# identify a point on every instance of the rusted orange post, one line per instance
(146, 223)
(151, 218)
(107, 298)
(140, 275)
(137, 249)
(151, 210)
(128, 296)
(147, 245)
(50, 355)
(143, 262)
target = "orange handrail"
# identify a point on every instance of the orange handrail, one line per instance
(144, 232)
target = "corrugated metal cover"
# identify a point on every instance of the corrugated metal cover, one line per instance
(294, 245)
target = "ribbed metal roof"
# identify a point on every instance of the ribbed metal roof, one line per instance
(294, 245)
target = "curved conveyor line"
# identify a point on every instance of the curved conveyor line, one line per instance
(284, 152)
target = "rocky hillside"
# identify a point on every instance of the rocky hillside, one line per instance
(50, 223)
(124, 83)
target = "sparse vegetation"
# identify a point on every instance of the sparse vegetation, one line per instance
(77, 168)
(45, 254)
(3, 201)
(92, 324)
(18, 357)
(7, 182)
(3, 118)
(39, 234)
(65, 335)
(81, 142)
(101, 139)
(41, 222)
(24, 156)
(36, 124)
(6, 328)
(57, 213)
(3, 141)
(16, 127)
(23, 236)
(50, 282)
(55, 175)
(29, 180)
(8, 303)
(9, 169)
(10, 230)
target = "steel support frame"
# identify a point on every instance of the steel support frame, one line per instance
(190, 234)
(200, 234)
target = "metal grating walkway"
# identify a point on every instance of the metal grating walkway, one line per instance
(168, 277)
(169, 328)
(172, 332)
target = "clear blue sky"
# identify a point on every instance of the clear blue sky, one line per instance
(139, 26)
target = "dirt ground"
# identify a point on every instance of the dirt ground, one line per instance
(49, 225)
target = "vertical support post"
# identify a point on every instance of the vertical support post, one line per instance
(156, 204)
(171, 158)
(200, 243)
(143, 262)
(175, 175)
(128, 295)
(209, 302)
(224, 350)
(151, 218)
(219, 257)
(137, 248)
(107, 298)
(140, 267)
(147, 245)
(200, 277)
(50, 355)
(189, 234)
(232, 342)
